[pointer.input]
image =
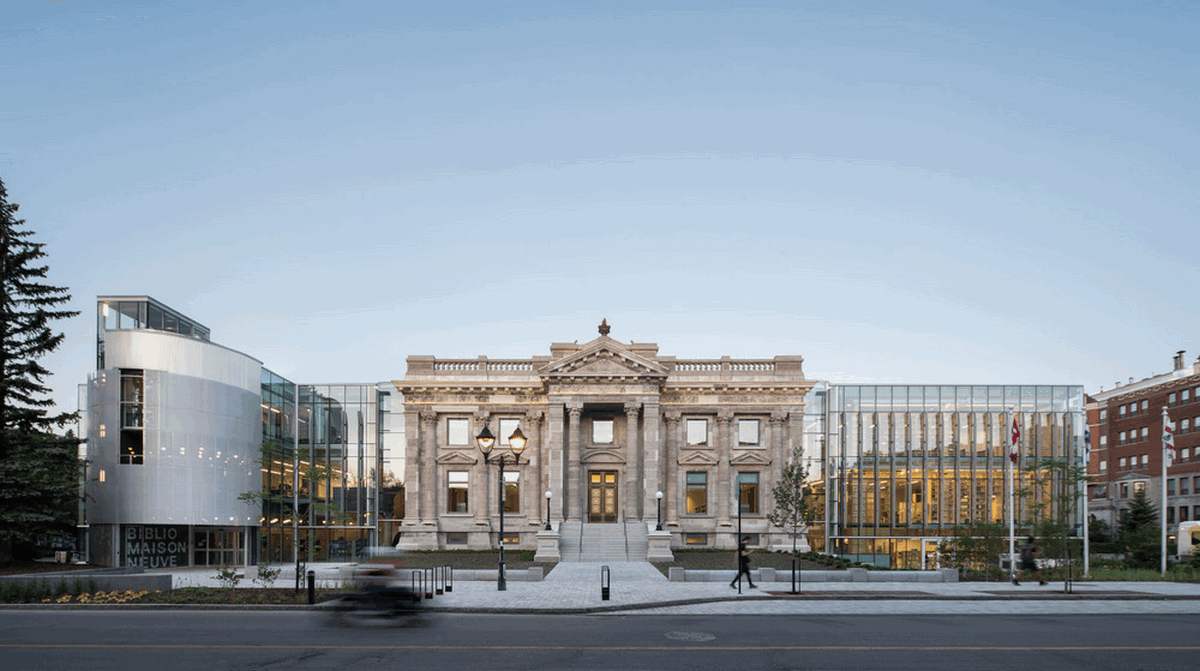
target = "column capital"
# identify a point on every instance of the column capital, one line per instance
(482, 417)
(575, 410)
(672, 417)
(632, 408)
(724, 416)
(428, 417)
(534, 418)
(778, 417)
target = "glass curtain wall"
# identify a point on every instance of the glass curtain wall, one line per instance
(910, 464)
(319, 470)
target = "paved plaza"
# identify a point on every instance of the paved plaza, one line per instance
(639, 587)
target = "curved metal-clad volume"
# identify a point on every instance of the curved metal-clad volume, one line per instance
(192, 408)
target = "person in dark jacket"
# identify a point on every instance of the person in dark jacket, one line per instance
(1029, 554)
(743, 557)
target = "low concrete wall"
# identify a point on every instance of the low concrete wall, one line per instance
(767, 575)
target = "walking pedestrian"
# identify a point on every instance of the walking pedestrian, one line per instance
(743, 557)
(1029, 553)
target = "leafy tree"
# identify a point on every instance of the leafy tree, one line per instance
(795, 507)
(976, 546)
(38, 469)
(1051, 493)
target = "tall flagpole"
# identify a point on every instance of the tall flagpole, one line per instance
(1168, 442)
(1012, 465)
(1087, 464)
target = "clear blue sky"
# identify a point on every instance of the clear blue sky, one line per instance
(922, 192)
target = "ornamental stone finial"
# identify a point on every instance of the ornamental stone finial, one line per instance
(604, 327)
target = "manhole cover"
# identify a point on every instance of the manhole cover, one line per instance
(689, 636)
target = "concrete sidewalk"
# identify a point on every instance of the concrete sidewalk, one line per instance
(640, 588)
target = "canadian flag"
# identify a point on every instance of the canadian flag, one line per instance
(1016, 436)
(1168, 438)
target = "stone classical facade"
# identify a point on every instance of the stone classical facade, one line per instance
(609, 426)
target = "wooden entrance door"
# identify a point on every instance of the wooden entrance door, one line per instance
(602, 496)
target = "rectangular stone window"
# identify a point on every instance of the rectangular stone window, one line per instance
(511, 538)
(697, 432)
(456, 492)
(695, 539)
(507, 427)
(697, 493)
(458, 432)
(748, 432)
(456, 538)
(602, 432)
(1171, 487)
(748, 493)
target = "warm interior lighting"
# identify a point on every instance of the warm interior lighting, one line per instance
(486, 440)
(517, 441)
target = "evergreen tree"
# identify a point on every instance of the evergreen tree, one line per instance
(38, 469)
(1140, 532)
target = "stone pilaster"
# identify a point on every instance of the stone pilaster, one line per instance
(429, 511)
(412, 472)
(671, 498)
(532, 503)
(778, 452)
(725, 488)
(573, 489)
(633, 463)
(555, 468)
(480, 486)
(652, 460)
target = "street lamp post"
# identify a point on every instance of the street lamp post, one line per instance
(548, 495)
(658, 510)
(516, 445)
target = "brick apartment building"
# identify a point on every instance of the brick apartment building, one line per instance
(1126, 445)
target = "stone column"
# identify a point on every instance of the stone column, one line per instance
(479, 499)
(429, 513)
(531, 477)
(725, 486)
(573, 489)
(415, 456)
(671, 464)
(555, 476)
(633, 462)
(652, 459)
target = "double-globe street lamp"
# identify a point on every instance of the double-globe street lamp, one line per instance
(516, 445)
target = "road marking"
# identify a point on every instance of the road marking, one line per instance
(627, 648)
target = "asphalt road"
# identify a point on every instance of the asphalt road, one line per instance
(270, 640)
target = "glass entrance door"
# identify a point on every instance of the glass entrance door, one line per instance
(602, 496)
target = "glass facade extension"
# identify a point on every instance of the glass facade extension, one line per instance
(319, 470)
(908, 464)
(121, 313)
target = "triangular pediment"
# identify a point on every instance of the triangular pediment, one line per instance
(698, 459)
(604, 358)
(750, 459)
(603, 457)
(457, 458)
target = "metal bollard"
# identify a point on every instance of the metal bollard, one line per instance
(415, 582)
(439, 579)
(449, 578)
(312, 586)
(428, 583)
(605, 579)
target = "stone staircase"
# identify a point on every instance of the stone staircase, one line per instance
(587, 542)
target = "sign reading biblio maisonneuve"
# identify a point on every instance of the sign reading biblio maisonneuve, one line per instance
(156, 545)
